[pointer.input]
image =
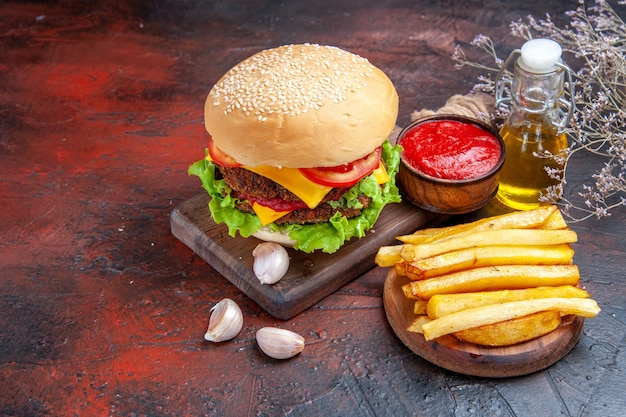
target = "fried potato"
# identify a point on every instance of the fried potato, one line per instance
(401, 268)
(507, 237)
(512, 331)
(494, 313)
(441, 305)
(554, 221)
(416, 325)
(454, 261)
(387, 256)
(496, 281)
(516, 220)
(406, 290)
(419, 307)
(496, 278)
(436, 233)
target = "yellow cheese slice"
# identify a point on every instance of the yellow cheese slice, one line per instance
(266, 214)
(291, 178)
(381, 174)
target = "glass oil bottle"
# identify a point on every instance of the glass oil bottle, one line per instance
(540, 109)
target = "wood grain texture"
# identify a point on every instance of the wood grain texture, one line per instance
(475, 360)
(311, 276)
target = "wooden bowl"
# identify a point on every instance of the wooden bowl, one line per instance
(449, 196)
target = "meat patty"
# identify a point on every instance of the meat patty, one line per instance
(252, 184)
(321, 213)
(247, 183)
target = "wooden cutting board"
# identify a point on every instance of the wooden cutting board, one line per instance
(311, 277)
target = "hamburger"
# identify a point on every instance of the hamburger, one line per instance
(298, 148)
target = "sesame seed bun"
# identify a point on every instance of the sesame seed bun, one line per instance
(301, 106)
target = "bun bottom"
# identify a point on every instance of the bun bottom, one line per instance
(268, 235)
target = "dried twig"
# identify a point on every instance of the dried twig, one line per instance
(596, 37)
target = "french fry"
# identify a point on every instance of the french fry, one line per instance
(554, 221)
(441, 305)
(507, 237)
(387, 256)
(401, 268)
(516, 220)
(512, 331)
(416, 325)
(435, 233)
(419, 307)
(406, 290)
(496, 278)
(429, 232)
(454, 261)
(494, 282)
(494, 313)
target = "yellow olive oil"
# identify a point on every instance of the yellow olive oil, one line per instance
(533, 134)
(523, 177)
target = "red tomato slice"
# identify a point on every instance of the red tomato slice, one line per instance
(220, 158)
(344, 175)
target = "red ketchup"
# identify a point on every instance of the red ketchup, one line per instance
(450, 149)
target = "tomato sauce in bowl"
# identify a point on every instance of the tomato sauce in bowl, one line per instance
(451, 149)
(450, 164)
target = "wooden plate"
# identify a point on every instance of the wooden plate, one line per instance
(476, 360)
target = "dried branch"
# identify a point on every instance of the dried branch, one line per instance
(596, 37)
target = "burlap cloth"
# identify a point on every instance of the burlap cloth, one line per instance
(477, 106)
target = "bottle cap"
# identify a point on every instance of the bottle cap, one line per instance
(540, 56)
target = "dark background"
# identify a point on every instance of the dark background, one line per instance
(102, 310)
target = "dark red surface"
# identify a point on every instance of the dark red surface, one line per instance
(102, 310)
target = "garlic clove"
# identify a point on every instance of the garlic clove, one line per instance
(225, 322)
(271, 262)
(279, 343)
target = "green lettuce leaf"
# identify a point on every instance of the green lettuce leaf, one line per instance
(328, 236)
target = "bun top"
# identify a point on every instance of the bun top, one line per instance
(301, 106)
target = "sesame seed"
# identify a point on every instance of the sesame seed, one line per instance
(290, 80)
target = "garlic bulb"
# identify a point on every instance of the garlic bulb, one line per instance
(225, 322)
(279, 343)
(271, 262)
